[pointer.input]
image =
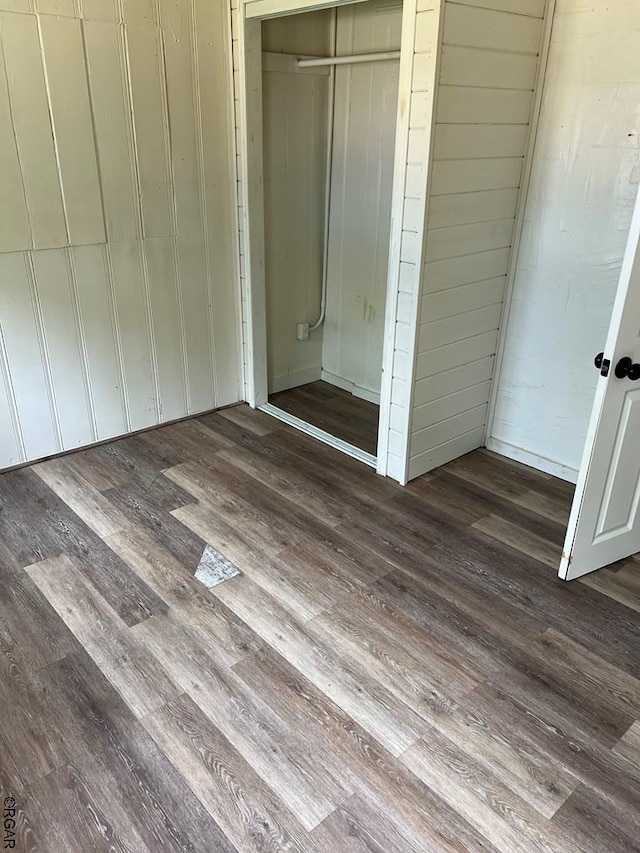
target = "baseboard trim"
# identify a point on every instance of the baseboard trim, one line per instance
(320, 435)
(351, 387)
(548, 466)
(294, 380)
(59, 454)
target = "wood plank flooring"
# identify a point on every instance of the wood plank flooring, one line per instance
(394, 671)
(335, 411)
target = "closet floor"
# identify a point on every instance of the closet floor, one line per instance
(335, 411)
(394, 669)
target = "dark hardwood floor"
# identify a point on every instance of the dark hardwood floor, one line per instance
(395, 670)
(335, 411)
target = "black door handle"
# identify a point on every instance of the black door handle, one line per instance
(603, 364)
(626, 369)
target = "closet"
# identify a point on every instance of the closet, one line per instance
(398, 184)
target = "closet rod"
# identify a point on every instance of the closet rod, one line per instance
(348, 60)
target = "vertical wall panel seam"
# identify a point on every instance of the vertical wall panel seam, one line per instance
(5, 375)
(132, 141)
(173, 209)
(204, 213)
(54, 135)
(44, 349)
(94, 134)
(106, 257)
(113, 307)
(84, 359)
(151, 338)
(174, 237)
(142, 255)
(168, 157)
(15, 136)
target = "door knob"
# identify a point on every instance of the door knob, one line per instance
(602, 364)
(626, 369)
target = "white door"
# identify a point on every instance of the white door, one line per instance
(605, 519)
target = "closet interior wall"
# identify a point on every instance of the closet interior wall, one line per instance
(364, 135)
(484, 100)
(346, 350)
(295, 127)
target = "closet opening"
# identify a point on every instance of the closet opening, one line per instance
(329, 106)
(329, 110)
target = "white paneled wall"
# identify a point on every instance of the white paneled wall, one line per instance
(422, 26)
(366, 107)
(248, 380)
(490, 53)
(295, 127)
(117, 219)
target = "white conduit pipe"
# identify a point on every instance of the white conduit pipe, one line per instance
(327, 184)
(348, 60)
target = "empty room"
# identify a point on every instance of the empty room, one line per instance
(319, 419)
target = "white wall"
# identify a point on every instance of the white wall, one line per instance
(117, 239)
(295, 124)
(366, 106)
(584, 183)
(421, 28)
(489, 62)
